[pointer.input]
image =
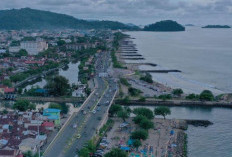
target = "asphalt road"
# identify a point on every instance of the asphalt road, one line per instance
(71, 139)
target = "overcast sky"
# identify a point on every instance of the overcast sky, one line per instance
(140, 12)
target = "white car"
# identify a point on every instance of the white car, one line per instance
(94, 111)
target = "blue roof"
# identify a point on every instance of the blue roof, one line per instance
(52, 110)
(53, 117)
(125, 148)
(41, 91)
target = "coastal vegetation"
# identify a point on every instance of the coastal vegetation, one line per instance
(144, 112)
(147, 78)
(165, 26)
(162, 111)
(134, 91)
(206, 95)
(216, 26)
(164, 96)
(177, 92)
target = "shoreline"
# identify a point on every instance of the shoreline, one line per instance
(174, 79)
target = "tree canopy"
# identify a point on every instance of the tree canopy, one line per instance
(144, 112)
(139, 134)
(23, 105)
(58, 86)
(116, 152)
(114, 109)
(206, 95)
(163, 111)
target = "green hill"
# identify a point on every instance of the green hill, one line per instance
(164, 26)
(27, 18)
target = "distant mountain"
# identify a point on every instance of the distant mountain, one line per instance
(27, 18)
(216, 26)
(164, 26)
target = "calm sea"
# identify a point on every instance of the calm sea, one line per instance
(203, 55)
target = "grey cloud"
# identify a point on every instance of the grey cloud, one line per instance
(137, 11)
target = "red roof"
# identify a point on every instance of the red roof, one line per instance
(48, 124)
(9, 90)
(34, 62)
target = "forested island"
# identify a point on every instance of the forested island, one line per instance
(216, 26)
(165, 26)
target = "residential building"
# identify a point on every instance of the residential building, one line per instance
(34, 47)
(53, 115)
(29, 144)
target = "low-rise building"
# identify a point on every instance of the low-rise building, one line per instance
(29, 144)
(53, 115)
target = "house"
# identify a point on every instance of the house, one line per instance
(53, 115)
(29, 144)
(9, 93)
(9, 153)
(48, 125)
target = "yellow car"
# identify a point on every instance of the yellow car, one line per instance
(78, 135)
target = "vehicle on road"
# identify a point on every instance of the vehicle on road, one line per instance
(74, 126)
(94, 111)
(78, 136)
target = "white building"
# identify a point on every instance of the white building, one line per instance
(14, 49)
(34, 47)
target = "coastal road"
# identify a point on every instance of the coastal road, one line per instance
(71, 139)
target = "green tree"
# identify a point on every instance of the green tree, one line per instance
(84, 152)
(163, 111)
(144, 111)
(165, 97)
(114, 109)
(177, 92)
(58, 86)
(137, 119)
(146, 124)
(192, 97)
(7, 82)
(142, 99)
(116, 152)
(22, 52)
(206, 95)
(139, 134)
(126, 100)
(147, 78)
(125, 82)
(63, 107)
(23, 105)
(123, 114)
(61, 42)
(134, 91)
(137, 143)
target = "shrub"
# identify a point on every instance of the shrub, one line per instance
(177, 92)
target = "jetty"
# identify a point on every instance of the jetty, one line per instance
(159, 71)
